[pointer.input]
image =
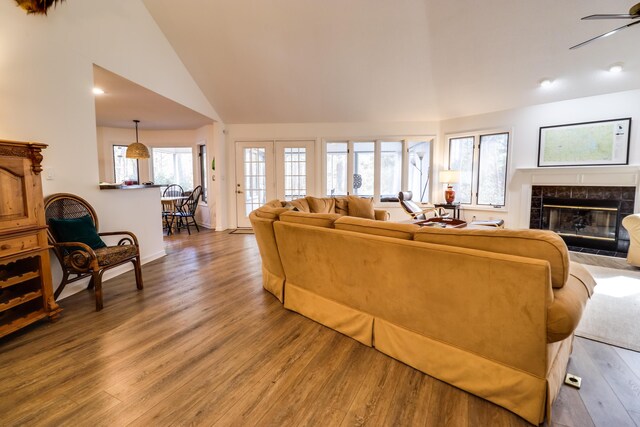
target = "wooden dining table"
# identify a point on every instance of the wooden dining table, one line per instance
(169, 205)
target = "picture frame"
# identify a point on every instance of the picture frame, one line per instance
(597, 143)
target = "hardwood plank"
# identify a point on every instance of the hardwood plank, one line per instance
(600, 400)
(484, 413)
(569, 409)
(448, 406)
(631, 358)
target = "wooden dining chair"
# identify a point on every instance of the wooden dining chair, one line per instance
(173, 190)
(186, 211)
(73, 233)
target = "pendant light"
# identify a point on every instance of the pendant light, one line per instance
(137, 150)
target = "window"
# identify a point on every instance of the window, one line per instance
(173, 166)
(483, 167)
(390, 170)
(363, 159)
(124, 169)
(419, 171)
(204, 166)
(295, 172)
(379, 168)
(337, 168)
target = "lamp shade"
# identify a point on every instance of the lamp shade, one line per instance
(137, 150)
(449, 177)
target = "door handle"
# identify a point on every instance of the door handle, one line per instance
(239, 191)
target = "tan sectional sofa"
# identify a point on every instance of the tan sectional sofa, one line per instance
(490, 311)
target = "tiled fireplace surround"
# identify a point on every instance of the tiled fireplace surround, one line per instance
(624, 194)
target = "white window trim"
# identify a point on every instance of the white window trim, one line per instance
(476, 164)
(406, 142)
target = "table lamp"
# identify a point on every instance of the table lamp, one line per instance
(450, 177)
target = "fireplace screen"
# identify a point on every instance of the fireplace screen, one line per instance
(580, 220)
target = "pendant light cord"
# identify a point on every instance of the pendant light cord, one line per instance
(136, 122)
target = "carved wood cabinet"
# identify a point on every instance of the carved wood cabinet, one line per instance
(26, 294)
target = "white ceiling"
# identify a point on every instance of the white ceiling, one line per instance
(124, 101)
(284, 61)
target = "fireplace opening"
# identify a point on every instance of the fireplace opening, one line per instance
(586, 223)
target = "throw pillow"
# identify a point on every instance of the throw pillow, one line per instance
(342, 206)
(81, 230)
(319, 205)
(300, 205)
(361, 207)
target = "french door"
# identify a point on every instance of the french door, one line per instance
(267, 170)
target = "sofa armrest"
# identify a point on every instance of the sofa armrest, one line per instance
(381, 215)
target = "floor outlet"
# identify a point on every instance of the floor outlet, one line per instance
(573, 380)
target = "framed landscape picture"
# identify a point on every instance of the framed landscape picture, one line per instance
(604, 142)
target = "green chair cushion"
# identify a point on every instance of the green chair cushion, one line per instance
(81, 230)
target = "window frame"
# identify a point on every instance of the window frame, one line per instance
(113, 156)
(475, 171)
(152, 169)
(406, 141)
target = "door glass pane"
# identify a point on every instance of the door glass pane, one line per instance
(363, 168)
(337, 168)
(420, 170)
(492, 169)
(390, 171)
(255, 190)
(173, 166)
(124, 169)
(461, 159)
(295, 166)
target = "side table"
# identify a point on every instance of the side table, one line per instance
(455, 207)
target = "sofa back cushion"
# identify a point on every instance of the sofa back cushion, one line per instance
(315, 219)
(342, 206)
(321, 205)
(301, 205)
(378, 228)
(268, 212)
(361, 207)
(539, 244)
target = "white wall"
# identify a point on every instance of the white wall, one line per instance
(525, 123)
(46, 64)
(316, 132)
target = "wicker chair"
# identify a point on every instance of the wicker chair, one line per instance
(78, 259)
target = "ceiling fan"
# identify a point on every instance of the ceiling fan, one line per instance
(634, 13)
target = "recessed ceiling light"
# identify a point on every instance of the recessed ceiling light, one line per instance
(546, 82)
(615, 68)
(97, 91)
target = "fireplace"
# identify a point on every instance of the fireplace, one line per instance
(589, 223)
(588, 218)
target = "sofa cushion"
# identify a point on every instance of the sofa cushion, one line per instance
(275, 203)
(378, 228)
(269, 212)
(321, 205)
(301, 205)
(540, 244)
(342, 206)
(361, 207)
(316, 219)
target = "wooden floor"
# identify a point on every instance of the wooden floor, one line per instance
(203, 344)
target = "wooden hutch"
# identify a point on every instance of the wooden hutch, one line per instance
(26, 294)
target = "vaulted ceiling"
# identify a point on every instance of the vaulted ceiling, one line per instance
(285, 61)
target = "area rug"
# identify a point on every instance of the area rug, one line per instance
(242, 231)
(612, 315)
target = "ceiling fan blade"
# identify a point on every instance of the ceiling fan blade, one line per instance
(612, 16)
(607, 34)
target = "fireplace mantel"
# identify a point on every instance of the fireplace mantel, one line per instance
(627, 175)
